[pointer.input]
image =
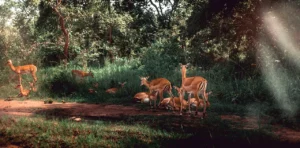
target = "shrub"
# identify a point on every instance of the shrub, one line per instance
(61, 85)
(161, 58)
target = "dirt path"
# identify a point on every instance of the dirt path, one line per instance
(29, 108)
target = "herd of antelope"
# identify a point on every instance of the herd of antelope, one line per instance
(191, 85)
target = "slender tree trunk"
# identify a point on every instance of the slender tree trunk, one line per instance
(111, 56)
(64, 30)
(110, 34)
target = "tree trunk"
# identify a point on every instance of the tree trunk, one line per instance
(64, 30)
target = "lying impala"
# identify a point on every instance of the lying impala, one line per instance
(23, 92)
(23, 70)
(201, 105)
(157, 85)
(172, 103)
(115, 89)
(144, 97)
(168, 102)
(194, 85)
(81, 74)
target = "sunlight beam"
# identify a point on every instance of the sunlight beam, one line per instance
(275, 79)
(273, 71)
(282, 37)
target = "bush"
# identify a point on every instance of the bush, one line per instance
(161, 58)
(61, 85)
(50, 57)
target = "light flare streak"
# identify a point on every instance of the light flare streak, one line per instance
(272, 69)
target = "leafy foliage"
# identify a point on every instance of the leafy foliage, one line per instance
(226, 42)
(161, 58)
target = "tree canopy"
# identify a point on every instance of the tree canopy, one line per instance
(202, 32)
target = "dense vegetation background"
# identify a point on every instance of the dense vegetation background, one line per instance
(246, 49)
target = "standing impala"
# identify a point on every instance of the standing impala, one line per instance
(23, 70)
(193, 85)
(81, 74)
(157, 85)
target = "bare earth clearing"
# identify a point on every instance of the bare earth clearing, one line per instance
(98, 111)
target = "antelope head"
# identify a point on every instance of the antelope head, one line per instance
(8, 62)
(144, 80)
(91, 74)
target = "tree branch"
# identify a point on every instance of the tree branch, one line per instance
(174, 7)
(161, 12)
(155, 7)
(171, 2)
(63, 29)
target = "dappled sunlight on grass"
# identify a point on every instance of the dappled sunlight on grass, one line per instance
(39, 132)
(140, 131)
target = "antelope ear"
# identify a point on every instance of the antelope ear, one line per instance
(180, 64)
(188, 64)
(147, 77)
(210, 92)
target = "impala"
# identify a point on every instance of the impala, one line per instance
(177, 104)
(23, 70)
(96, 85)
(167, 103)
(115, 89)
(144, 97)
(194, 102)
(193, 85)
(157, 85)
(32, 87)
(172, 103)
(81, 74)
(23, 92)
(91, 91)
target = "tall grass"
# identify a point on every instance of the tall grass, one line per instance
(58, 83)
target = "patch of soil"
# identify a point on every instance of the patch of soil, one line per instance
(30, 107)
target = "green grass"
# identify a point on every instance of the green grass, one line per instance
(37, 132)
(251, 94)
(57, 82)
(134, 131)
